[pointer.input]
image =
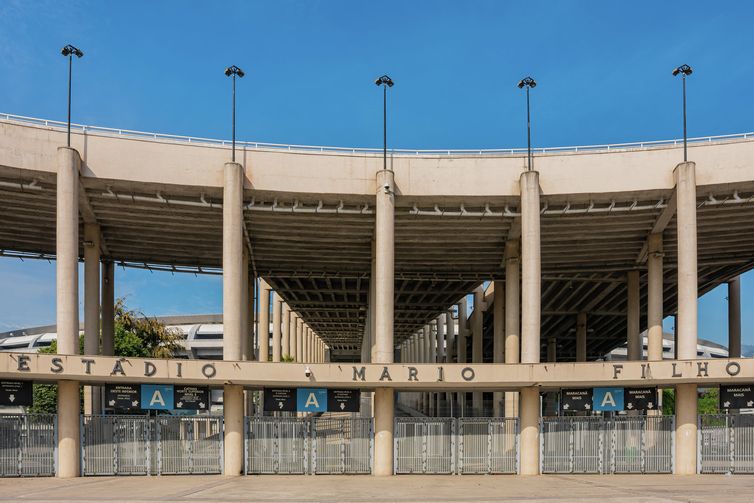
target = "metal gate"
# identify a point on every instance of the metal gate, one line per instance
(277, 445)
(487, 445)
(27, 445)
(726, 443)
(425, 445)
(139, 445)
(636, 444)
(342, 445)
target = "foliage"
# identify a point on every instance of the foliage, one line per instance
(287, 359)
(136, 336)
(708, 402)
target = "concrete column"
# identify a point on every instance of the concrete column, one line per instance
(433, 341)
(92, 400)
(301, 331)
(234, 278)
(251, 312)
(450, 337)
(277, 311)
(581, 337)
(477, 356)
(285, 341)
(67, 309)
(633, 333)
(531, 291)
(686, 396)
(734, 317)
(108, 308)
(498, 341)
(512, 317)
(264, 321)
(245, 311)
(384, 292)
(441, 341)
(552, 349)
(461, 344)
(654, 298)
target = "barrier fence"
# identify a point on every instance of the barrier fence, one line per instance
(593, 444)
(138, 445)
(28, 445)
(726, 443)
(322, 445)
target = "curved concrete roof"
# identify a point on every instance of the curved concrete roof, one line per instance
(309, 219)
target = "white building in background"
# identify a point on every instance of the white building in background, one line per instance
(704, 349)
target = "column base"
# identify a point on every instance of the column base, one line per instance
(529, 428)
(685, 429)
(384, 419)
(233, 408)
(69, 429)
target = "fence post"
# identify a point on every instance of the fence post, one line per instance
(460, 445)
(732, 442)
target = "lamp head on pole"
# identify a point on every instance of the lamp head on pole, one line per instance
(71, 50)
(683, 69)
(527, 82)
(234, 70)
(384, 80)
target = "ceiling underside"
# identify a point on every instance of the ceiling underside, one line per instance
(318, 256)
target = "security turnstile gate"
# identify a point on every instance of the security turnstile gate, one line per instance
(27, 445)
(138, 445)
(324, 445)
(726, 443)
(633, 444)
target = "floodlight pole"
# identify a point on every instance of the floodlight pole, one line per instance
(528, 129)
(685, 154)
(70, 71)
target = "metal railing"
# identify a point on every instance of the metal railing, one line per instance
(425, 445)
(726, 443)
(487, 445)
(362, 150)
(139, 445)
(27, 445)
(320, 445)
(593, 444)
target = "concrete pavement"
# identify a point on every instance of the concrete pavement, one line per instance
(414, 488)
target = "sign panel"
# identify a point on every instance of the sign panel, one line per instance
(576, 400)
(640, 398)
(191, 398)
(123, 396)
(16, 393)
(737, 397)
(157, 396)
(311, 400)
(343, 400)
(280, 399)
(608, 399)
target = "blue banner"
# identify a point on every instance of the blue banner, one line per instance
(608, 399)
(311, 400)
(157, 396)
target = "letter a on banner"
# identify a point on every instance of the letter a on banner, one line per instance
(608, 399)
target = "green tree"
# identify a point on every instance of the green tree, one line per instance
(136, 336)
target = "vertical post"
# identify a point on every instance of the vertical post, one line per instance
(512, 317)
(633, 335)
(552, 349)
(67, 309)
(277, 308)
(477, 332)
(654, 298)
(384, 280)
(461, 343)
(234, 277)
(286, 341)
(531, 286)
(581, 337)
(734, 317)
(264, 321)
(686, 395)
(498, 341)
(450, 336)
(92, 403)
(301, 331)
(108, 308)
(245, 312)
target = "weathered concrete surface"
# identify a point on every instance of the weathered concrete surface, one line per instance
(409, 488)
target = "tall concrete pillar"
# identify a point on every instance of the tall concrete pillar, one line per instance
(512, 317)
(384, 281)
(734, 317)
(552, 349)
(441, 342)
(245, 312)
(67, 311)
(633, 313)
(531, 290)
(264, 321)
(234, 277)
(461, 344)
(686, 395)
(581, 337)
(286, 331)
(277, 315)
(477, 332)
(654, 298)
(432, 359)
(498, 341)
(92, 400)
(450, 337)
(301, 331)
(108, 308)
(251, 314)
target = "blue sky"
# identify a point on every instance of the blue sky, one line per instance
(603, 70)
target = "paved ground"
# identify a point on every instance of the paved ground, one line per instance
(542, 489)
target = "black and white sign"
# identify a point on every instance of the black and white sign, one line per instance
(640, 399)
(280, 399)
(577, 400)
(737, 396)
(123, 396)
(16, 393)
(343, 400)
(191, 398)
